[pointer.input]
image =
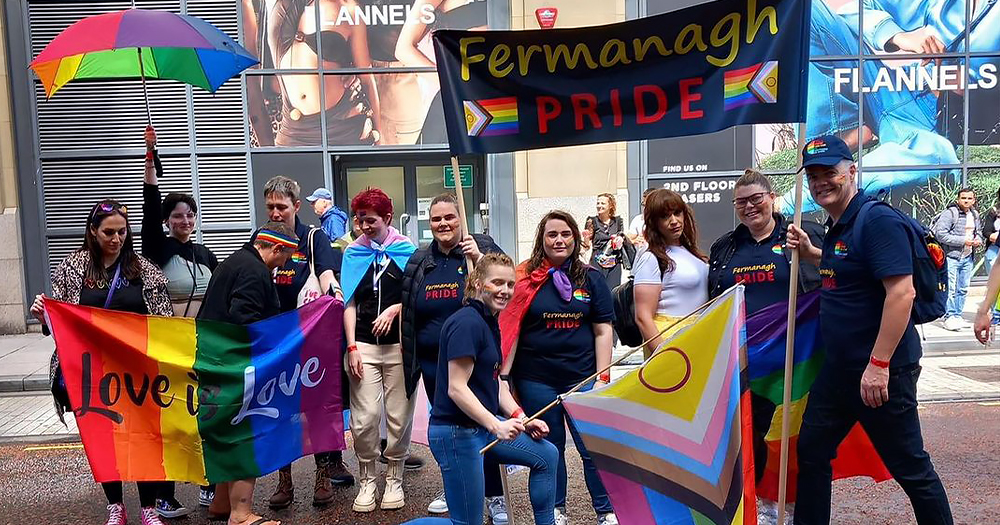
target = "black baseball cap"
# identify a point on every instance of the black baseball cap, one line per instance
(827, 150)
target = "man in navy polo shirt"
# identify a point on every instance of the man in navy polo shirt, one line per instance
(873, 351)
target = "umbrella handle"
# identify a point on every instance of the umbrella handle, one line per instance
(145, 93)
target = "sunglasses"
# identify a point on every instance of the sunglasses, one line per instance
(106, 208)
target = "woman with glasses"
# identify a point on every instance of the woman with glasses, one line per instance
(187, 265)
(106, 272)
(670, 275)
(754, 254)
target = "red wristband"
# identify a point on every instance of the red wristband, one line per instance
(352, 348)
(149, 154)
(517, 413)
(878, 362)
(605, 377)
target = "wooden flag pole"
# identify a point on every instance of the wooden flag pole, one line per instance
(793, 295)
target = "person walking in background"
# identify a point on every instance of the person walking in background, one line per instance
(556, 333)
(469, 403)
(332, 219)
(107, 273)
(872, 363)
(604, 234)
(243, 292)
(958, 230)
(736, 257)
(636, 232)
(671, 277)
(187, 265)
(297, 285)
(433, 289)
(373, 288)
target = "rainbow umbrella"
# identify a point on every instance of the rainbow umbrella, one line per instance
(141, 43)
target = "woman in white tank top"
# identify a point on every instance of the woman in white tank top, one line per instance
(671, 275)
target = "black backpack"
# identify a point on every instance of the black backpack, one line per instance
(624, 302)
(930, 273)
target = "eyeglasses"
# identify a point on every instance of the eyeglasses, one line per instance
(753, 200)
(106, 207)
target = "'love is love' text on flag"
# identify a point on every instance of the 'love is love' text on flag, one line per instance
(162, 398)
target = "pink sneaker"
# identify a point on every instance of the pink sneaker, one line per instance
(116, 514)
(150, 517)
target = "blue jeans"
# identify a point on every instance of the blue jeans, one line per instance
(533, 397)
(456, 449)
(494, 487)
(959, 276)
(834, 407)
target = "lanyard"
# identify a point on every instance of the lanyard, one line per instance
(112, 285)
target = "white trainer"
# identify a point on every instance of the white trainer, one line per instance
(439, 505)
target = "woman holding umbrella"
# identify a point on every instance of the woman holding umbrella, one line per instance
(187, 265)
(106, 272)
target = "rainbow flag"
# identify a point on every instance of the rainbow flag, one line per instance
(751, 85)
(491, 117)
(766, 335)
(169, 398)
(668, 437)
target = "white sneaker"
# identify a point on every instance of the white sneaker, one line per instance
(439, 505)
(561, 518)
(497, 507)
(953, 324)
(767, 512)
(607, 519)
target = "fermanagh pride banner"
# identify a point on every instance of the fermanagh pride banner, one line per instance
(692, 71)
(162, 398)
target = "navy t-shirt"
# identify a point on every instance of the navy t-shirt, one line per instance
(470, 332)
(290, 278)
(441, 296)
(556, 342)
(853, 295)
(762, 268)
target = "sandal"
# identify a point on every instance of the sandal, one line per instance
(262, 521)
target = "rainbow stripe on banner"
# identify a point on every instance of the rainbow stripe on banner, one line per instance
(668, 438)
(766, 334)
(491, 117)
(751, 85)
(163, 398)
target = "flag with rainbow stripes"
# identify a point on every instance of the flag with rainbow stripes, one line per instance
(173, 398)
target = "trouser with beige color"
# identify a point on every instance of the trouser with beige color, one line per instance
(383, 377)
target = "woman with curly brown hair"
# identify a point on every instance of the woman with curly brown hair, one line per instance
(671, 276)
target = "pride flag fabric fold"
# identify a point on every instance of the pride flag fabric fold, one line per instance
(361, 253)
(161, 398)
(766, 336)
(668, 438)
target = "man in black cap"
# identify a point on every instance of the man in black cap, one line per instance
(873, 351)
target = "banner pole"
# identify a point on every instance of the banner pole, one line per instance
(456, 177)
(793, 294)
(614, 363)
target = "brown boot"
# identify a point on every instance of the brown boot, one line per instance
(323, 490)
(285, 493)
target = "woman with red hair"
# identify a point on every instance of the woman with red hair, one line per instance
(372, 277)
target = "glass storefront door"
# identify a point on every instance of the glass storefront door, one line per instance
(412, 181)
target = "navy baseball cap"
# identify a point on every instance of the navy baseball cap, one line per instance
(827, 150)
(320, 193)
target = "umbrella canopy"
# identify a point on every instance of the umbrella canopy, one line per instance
(163, 44)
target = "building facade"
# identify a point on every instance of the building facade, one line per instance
(346, 96)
